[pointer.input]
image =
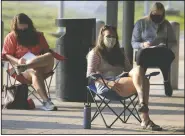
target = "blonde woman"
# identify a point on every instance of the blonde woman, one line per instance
(155, 32)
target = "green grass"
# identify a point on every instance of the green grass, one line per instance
(44, 16)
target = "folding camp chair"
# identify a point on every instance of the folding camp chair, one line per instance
(106, 99)
(20, 78)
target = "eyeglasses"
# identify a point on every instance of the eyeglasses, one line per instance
(107, 27)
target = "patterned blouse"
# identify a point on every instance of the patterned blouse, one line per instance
(146, 30)
(96, 64)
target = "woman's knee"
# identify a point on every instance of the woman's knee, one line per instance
(36, 73)
(48, 54)
(137, 71)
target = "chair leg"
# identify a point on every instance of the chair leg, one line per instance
(134, 108)
(32, 92)
(126, 107)
(96, 113)
(167, 82)
(131, 112)
(106, 105)
(99, 110)
(48, 86)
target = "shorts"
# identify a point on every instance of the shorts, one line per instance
(104, 91)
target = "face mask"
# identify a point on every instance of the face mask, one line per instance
(109, 42)
(156, 18)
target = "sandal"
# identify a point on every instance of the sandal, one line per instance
(143, 108)
(151, 126)
(20, 68)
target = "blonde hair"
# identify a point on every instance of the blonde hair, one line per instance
(155, 6)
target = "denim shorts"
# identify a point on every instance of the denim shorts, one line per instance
(103, 90)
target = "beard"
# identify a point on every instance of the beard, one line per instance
(27, 37)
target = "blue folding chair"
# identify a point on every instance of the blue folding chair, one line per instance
(113, 96)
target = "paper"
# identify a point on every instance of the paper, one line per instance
(28, 56)
(154, 42)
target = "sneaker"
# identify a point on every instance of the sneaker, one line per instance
(49, 106)
(20, 68)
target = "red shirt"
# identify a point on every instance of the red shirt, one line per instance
(12, 47)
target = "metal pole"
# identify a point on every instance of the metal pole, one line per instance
(2, 34)
(61, 30)
(128, 24)
(146, 7)
(174, 73)
(111, 14)
(169, 5)
(61, 13)
(2, 41)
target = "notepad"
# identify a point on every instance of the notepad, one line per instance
(28, 56)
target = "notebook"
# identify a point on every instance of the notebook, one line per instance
(28, 56)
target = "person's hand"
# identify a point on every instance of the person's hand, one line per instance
(113, 85)
(21, 61)
(146, 44)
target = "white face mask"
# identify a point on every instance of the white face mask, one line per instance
(109, 42)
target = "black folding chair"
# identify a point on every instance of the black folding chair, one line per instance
(113, 96)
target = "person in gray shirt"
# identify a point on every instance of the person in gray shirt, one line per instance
(151, 32)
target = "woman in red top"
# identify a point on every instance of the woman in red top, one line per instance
(24, 38)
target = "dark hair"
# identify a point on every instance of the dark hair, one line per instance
(30, 40)
(21, 18)
(114, 56)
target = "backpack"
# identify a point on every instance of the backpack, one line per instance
(15, 97)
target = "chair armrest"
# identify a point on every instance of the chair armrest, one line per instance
(94, 77)
(152, 74)
(134, 56)
(4, 63)
(57, 56)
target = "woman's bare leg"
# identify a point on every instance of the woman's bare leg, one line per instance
(137, 75)
(37, 81)
(145, 115)
(146, 90)
(40, 61)
(36, 77)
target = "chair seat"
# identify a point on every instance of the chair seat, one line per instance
(111, 95)
(23, 80)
